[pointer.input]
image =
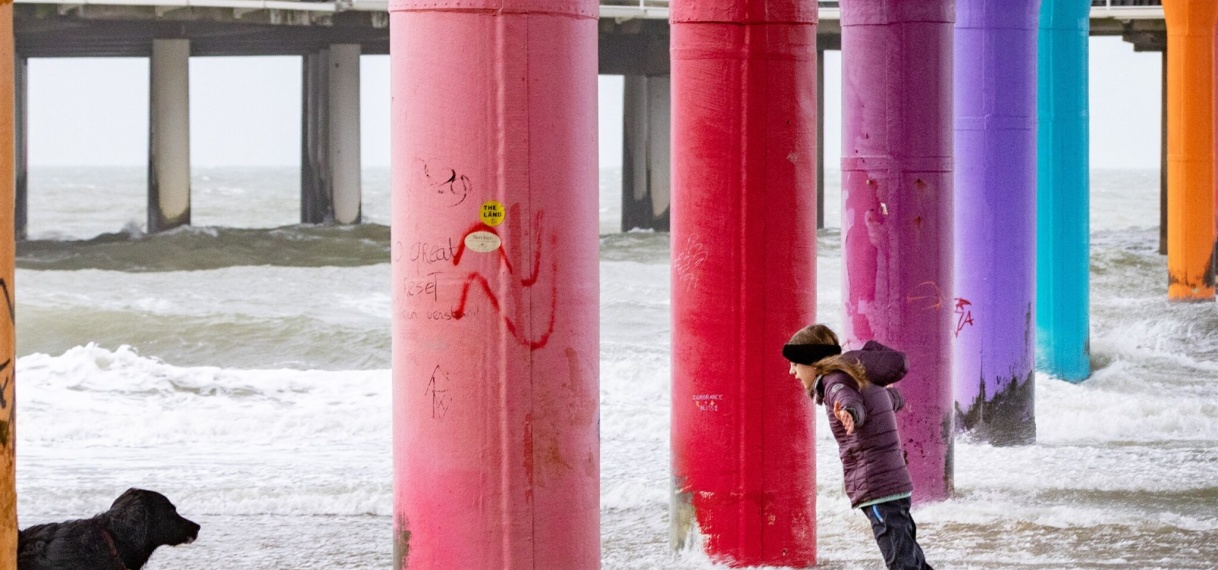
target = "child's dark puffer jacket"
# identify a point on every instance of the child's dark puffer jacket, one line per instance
(872, 461)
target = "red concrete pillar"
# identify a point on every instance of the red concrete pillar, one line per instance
(897, 210)
(494, 282)
(743, 277)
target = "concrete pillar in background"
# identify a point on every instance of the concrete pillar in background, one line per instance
(820, 139)
(344, 132)
(169, 136)
(8, 320)
(995, 220)
(21, 117)
(495, 322)
(1163, 165)
(897, 211)
(743, 279)
(646, 154)
(315, 181)
(1063, 188)
(1190, 148)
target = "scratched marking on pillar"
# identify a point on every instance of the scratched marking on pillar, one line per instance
(687, 264)
(7, 368)
(8, 298)
(707, 402)
(964, 316)
(525, 282)
(927, 292)
(446, 182)
(440, 400)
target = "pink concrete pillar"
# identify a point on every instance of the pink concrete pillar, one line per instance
(897, 210)
(743, 278)
(494, 283)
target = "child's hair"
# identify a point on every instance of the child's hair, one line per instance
(821, 334)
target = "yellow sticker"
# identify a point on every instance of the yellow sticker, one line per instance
(492, 213)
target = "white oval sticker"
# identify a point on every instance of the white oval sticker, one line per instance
(482, 242)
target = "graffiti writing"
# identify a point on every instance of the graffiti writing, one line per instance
(428, 286)
(440, 400)
(964, 316)
(424, 253)
(7, 369)
(4, 367)
(686, 264)
(448, 183)
(708, 402)
(8, 298)
(928, 293)
(441, 314)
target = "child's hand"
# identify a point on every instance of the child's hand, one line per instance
(844, 416)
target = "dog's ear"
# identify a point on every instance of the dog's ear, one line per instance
(128, 496)
(129, 515)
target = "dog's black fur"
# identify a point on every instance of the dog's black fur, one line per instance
(121, 538)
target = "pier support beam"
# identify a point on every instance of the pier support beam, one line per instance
(897, 210)
(743, 278)
(646, 153)
(495, 289)
(995, 219)
(330, 174)
(315, 181)
(1190, 149)
(1063, 202)
(344, 132)
(1163, 164)
(169, 136)
(8, 320)
(21, 155)
(820, 139)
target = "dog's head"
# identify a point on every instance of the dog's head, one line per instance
(150, 514)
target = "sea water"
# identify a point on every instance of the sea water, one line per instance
(242, 367)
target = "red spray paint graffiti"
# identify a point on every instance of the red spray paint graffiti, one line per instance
(526, 282)
(964, 316)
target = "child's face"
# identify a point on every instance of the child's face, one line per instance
(806, 375)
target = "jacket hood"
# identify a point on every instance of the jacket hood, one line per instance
(884, 365)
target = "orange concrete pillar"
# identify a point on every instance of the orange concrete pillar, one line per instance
(1190, 148)
(8, 324)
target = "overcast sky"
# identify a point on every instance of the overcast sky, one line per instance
(246, 110)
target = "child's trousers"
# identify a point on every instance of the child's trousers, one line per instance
(896, 534)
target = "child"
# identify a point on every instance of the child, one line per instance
(862, 415)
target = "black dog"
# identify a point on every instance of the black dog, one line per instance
(121, 538)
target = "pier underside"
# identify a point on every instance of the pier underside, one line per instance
(46, 30)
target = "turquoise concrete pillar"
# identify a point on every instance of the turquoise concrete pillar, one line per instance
(1063, 192)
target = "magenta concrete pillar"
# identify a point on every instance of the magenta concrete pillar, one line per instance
(897, 210)
(494, 283)
(743, 278)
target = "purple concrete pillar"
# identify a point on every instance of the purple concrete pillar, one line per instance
(897, 210)
(995, 212)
